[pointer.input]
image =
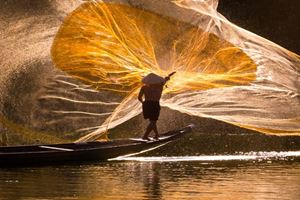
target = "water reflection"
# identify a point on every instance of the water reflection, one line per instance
(155, 180)
(242, 156)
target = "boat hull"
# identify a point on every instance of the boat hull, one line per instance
(81, 152)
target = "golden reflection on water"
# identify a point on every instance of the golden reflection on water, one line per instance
(154, 180)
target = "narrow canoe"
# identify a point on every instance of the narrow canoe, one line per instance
(16, 156)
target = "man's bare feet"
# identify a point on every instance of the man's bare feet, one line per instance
(156, 138)
(146, 138)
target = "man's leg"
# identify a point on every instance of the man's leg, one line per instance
(155, 130)
(148, 130)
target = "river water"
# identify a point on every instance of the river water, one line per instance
(258, 175)
(201, 169)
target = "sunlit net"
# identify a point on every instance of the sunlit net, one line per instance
(112, 46)
(223, 71)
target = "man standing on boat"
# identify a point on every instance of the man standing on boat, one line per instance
(152, 91)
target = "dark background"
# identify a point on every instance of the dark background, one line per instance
(276, 20)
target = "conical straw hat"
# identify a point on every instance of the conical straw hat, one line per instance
(153, 79)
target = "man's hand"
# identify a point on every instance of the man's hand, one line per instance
(169, 76)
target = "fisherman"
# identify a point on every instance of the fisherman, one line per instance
(152, 91)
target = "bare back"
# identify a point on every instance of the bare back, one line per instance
(152, 93)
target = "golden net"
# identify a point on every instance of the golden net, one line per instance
(112, 46)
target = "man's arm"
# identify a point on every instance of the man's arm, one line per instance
(141, 93)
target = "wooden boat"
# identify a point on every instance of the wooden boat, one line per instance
(17, 156)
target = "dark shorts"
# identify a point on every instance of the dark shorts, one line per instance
(151, 110)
